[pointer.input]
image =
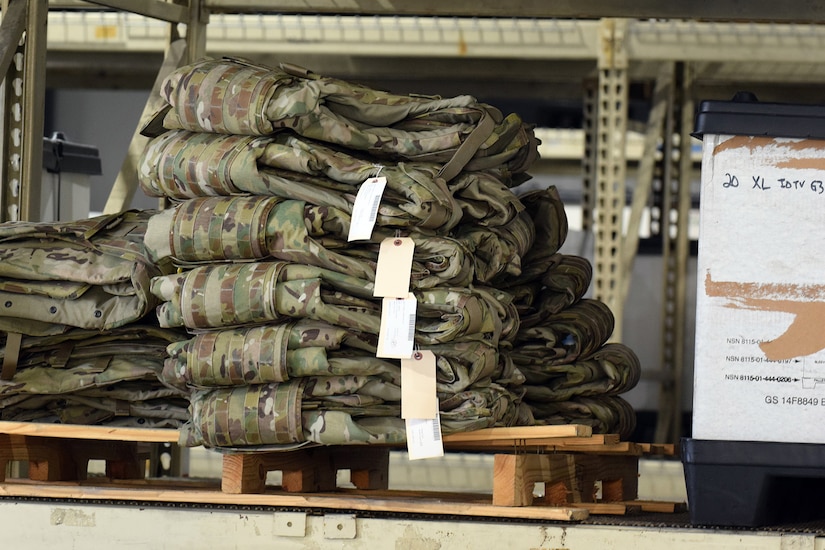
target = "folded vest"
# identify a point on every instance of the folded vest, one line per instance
(90, 273)
(241, 228)
(232, 96)
(230, 295)
(611, 370)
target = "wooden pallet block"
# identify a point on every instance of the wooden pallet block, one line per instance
(51, 459)
(568, 478)
(306, 470)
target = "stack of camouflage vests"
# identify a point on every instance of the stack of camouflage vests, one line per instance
(572, 376)
(80, 343)
(262, 166)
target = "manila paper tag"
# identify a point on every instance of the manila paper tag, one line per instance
(418, 393)
(424, 438)
(394, 269)
(397, 331)
(365, 209)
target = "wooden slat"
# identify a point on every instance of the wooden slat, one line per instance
(468, 505)
(606, 444)
(103, 433)
(520, 433)
(608, 508)
(659, 506)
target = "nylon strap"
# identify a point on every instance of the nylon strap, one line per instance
(468, 149)
(12, 354)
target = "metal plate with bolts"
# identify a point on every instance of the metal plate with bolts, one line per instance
(339, 526)
(290, 524)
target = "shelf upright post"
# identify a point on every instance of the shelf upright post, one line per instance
(23, 56)
(178, 52)
(196, 31)
(610, 167)
(675, 210)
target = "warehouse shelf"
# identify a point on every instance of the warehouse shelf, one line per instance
(774, 47)
(783, 50)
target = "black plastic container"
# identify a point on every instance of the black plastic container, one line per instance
(746, 116)
(753, 483)
(61, 156)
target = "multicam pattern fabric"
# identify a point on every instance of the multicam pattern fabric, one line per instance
(263, 292)
(269, 353)
(235, 97)
(564, 282)
(333, 411)
(281, 352)
(94, 377)
(219, 229)
(89, 273)
(611, 370)
(262, 414)
(605, 414)
(184, 165)
(573, 333)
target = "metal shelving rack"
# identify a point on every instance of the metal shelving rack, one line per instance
(646, 35)
(662, 40)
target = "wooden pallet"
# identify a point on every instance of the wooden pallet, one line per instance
(62, 452)
(582, 473)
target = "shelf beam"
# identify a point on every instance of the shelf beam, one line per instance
(156, 9)
(716, 10)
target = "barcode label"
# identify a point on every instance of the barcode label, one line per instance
(424, 438)
(436, 431)
(395, 336)
(365, 209)
(411, 328)
(376, 201)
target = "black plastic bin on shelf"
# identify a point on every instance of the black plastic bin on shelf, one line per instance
(66, 185)
(755, 483)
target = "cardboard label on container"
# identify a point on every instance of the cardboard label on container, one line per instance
(418, 391)
(365, 209)
(394, 269)
(760, 348)
(397, 332)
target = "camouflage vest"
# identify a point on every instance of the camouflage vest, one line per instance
(91, 273)
(233, 96)
(262, 292)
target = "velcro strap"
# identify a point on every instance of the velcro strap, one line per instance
(11, 355)
(295, 70)
(468, 149)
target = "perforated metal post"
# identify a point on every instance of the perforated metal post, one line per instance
(178, 52)
(589, 164)
(675, 209)
(24, 92)
(611, 119)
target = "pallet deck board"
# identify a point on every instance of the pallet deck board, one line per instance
(451, 504)
(103, 433)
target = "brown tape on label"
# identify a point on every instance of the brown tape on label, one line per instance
(11, 355)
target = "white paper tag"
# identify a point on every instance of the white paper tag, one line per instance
(424, 438)
(397, 332)
(418, 386)
(365, 209)
(394, 269)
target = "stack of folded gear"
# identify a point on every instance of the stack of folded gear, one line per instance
(262, 167)
(80, 341)
(572, 375)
